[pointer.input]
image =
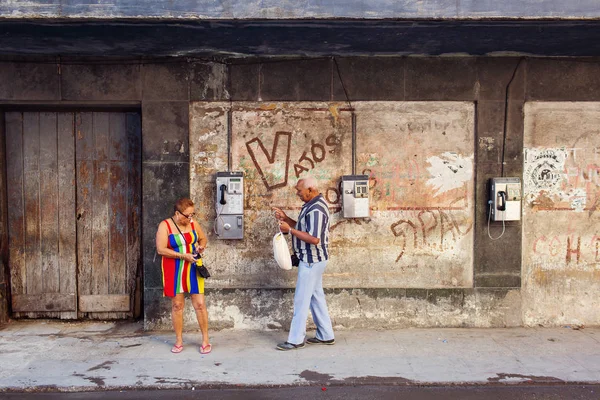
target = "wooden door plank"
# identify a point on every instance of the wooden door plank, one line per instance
(16, 221)
(49, 203)
(67, 207)
(134, 190)
(118, 137)
(84, 137)
(118, 205)
(100, 204)
(101, 136)
(84, 173)
(31, 174)
(100, 231)
(104, 303)
(118, 229)
(48, 302)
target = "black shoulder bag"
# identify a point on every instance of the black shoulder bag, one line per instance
(201, 270)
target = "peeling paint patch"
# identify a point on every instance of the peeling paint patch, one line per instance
(486, 143)
(449, 171)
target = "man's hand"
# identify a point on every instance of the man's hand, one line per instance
(285, 228)
(279, 214)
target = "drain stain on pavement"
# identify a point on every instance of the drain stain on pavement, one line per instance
(527, 378)
(104, 365)
(317, 377)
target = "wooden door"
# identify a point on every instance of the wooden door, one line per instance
(74, 187)
(108, 167)
(41, 204)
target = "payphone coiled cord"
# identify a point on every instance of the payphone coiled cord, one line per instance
(488, 224)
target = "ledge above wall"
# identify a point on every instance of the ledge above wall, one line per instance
(273, 9)
(296, 38)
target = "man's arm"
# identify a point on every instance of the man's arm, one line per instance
(314, 220)
(305, 236)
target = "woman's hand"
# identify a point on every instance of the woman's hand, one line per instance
(188, 257)
(199, 249)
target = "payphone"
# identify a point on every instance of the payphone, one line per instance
(229, 223)
(355, 196)
(505, 199)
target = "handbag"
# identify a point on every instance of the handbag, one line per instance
(201, 269)
(281, 252)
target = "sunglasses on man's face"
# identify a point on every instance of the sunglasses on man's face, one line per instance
(188, 216)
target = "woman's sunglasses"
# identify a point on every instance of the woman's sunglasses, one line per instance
(188, 216)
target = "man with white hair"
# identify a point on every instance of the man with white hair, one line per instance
(310, 241)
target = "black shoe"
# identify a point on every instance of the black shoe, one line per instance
(289, 346)
(319, 341)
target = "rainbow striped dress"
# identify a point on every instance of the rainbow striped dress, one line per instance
(179, 276)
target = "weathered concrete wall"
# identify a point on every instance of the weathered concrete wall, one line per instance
(419, 156)
(177, 156)
(241, 9)
(4, 272)
(561, 262)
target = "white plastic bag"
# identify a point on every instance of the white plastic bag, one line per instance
(281, 251)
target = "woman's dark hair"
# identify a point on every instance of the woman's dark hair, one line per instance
(182, 204)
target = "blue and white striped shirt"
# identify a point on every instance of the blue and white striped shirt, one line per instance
(313, 219)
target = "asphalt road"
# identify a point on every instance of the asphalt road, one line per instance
(553, 392)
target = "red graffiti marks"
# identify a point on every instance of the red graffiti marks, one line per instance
(306, 162)
(318, 153)
(554, 246)
(399, 232)
(430, 229)
(576, 251)
(596, 241)
(271, 157)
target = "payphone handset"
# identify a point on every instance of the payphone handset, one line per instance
(501, 201)
(229, 205)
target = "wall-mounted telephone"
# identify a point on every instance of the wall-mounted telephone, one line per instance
(229, 205)
(505, 199)
(355, 196)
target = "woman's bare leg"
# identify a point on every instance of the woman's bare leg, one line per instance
(177, 304)
(202, 316)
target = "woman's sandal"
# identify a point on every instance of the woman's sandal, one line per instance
(178, 348)
(203, 349)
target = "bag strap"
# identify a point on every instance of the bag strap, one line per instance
(181, 233)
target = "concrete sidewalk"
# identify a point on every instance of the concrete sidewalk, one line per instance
(80, 356)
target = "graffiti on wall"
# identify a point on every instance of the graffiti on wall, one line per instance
(570, 250)
(562, 179)
(273, 167)
(433, 229)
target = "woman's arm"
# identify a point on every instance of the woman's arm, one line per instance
(202, 239)
(162, 240)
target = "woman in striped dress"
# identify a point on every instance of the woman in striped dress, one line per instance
(176, 240)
